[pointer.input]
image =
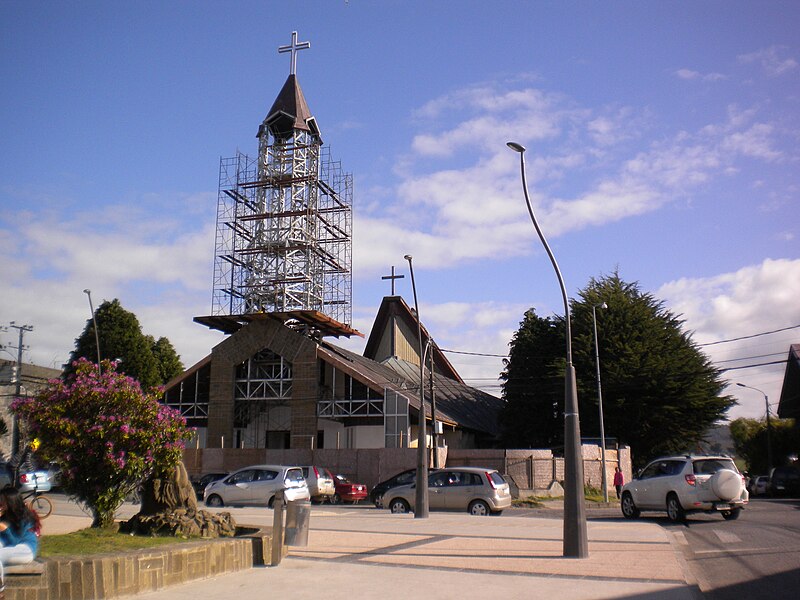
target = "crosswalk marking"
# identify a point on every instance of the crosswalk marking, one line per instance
(726, 537)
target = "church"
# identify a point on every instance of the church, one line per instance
(283, 289)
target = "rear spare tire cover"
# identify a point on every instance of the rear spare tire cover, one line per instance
(726, 484)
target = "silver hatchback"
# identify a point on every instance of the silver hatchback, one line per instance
(476, 490)
(257, 486)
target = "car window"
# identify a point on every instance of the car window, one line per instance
(440, 479)
(652, 470)
(264, 475)
(497, 479)
(241, 477)
(674, 467)
(294, 475)
(406, 477)
(712, 465)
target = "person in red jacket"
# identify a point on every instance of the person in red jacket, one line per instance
(619, 481)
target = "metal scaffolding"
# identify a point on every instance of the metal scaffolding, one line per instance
(284, 230)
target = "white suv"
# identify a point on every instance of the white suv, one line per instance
(682, 484)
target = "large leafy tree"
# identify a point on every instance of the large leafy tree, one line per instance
(107, 435)
(660, 392)
(149, 361)
(534, 384)
(750, 439)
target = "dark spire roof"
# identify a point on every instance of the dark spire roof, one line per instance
(289, 112)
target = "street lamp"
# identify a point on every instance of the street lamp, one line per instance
(769, 425)
(96, 332)
(421, 508)
(600, 401)
(576, 542)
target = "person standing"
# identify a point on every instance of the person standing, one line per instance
(619, 481)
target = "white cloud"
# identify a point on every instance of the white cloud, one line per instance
(755, 299)
(689, 74)
(771, 60)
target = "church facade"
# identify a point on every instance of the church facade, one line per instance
(282, 289)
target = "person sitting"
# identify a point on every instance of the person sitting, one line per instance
(19, 529)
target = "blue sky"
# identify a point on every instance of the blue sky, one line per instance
(662, 142)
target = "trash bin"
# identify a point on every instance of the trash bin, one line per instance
(298, 515)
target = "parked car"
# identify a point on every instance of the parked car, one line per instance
(199, 484)
(683, 484)
(320, 483)
(476, 490)
(402, 478)
(257, 486)
(28, 481)
(347, 491)
(759, 485)
(785, 481)
(34, 481)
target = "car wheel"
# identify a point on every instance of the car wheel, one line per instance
(629, 510)
(399, 506)
(479, 507)
(336, 499)
(731, 515)
(378, 501)
(214, 500)
(271, 502)
(675, 511)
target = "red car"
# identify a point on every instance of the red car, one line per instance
(347, 491)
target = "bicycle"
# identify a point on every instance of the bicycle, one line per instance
(38, 503)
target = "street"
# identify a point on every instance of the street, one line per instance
(756, 556)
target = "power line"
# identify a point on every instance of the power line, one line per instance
(747, 337)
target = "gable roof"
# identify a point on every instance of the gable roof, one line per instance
(395, 308)
(457, 404)
(789, 406)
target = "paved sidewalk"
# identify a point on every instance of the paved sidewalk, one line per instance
(377, 554)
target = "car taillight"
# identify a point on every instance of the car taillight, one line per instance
(316, 472)
(491, 481)
(691, 479)
(23, 478)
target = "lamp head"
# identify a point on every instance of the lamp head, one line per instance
(516, 147)
(741, 385)
(408, 257)
(87, 291)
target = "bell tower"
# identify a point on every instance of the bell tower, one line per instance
(284, 222)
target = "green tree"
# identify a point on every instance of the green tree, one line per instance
(750, 439)
(107, 435)
(533, 379)
(168, 361)
(121, 339)
(660, 392)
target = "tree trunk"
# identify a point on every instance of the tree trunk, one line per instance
(103, 519)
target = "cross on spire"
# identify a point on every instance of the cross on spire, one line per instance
(393, 277)
(294, 47)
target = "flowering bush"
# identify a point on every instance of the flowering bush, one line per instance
(106, 434)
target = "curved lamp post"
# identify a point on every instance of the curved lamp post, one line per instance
(576, 542)
(769, 425)
(600, 401)
(88, 292)
(421, 498)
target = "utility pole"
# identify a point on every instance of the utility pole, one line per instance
(18, 392)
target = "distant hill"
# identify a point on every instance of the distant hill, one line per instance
(718, 440)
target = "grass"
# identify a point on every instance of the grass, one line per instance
(99, 541)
